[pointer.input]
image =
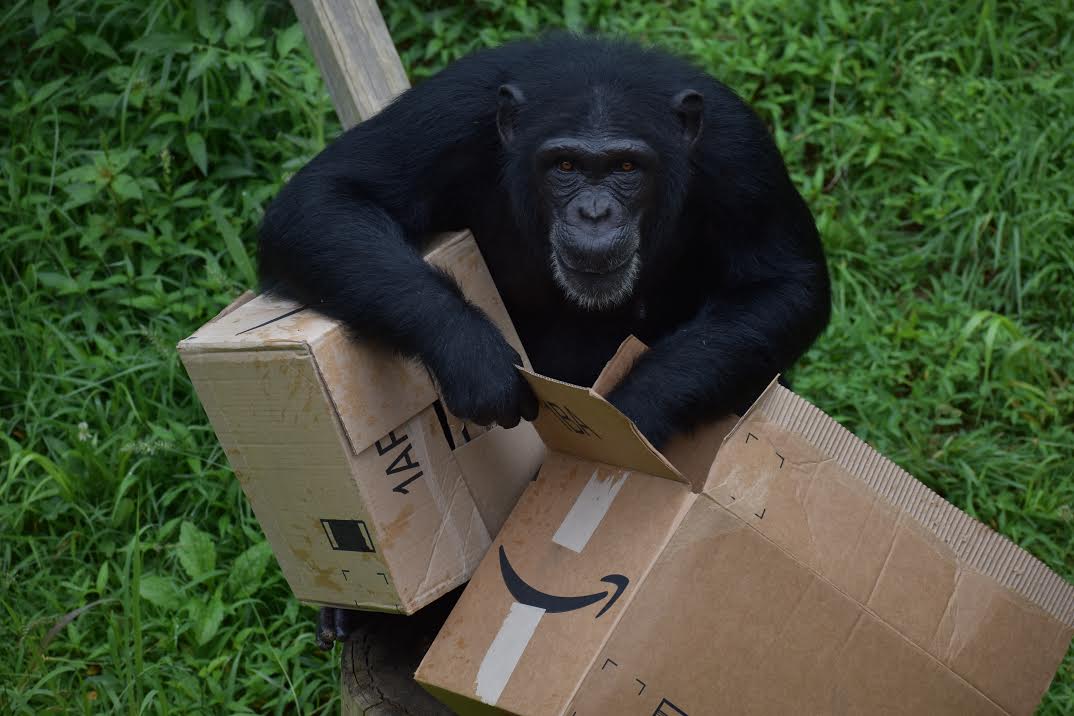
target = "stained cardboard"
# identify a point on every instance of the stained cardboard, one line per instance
(371, 494)
(800, 572)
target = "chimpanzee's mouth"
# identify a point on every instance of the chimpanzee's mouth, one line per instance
(587, 271)
(597, 291)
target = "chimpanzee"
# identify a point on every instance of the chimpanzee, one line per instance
(612, 190)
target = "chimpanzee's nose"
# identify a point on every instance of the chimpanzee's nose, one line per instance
(595, 208)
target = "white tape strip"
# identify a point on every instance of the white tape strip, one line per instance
(521, 621)
(506, 649)
(588, 510)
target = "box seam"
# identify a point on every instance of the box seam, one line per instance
(674, 528)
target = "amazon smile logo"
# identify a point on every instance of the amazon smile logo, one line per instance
(553, 604)
(529, 605)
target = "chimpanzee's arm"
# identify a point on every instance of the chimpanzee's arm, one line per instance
(770, 297)
(344, 236)
(720, 360)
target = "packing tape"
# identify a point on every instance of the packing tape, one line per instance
(506, 650)
(587, 512)
(521, 622)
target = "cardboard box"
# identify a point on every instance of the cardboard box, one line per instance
(770, 565)
(370, 493)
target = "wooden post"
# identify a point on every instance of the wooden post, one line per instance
(363, 72)
(355, 53)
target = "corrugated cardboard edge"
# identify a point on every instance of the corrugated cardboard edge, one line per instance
(241, 300)
(974, 543)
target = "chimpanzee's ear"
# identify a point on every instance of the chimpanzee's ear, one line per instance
(508, 104)
(690, 106)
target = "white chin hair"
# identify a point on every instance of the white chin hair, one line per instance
(599, 292)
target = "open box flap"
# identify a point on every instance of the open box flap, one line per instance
(579, 422)
(622, 362)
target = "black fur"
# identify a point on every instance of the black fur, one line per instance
(733, 286)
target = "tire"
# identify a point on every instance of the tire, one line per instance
(380, 657)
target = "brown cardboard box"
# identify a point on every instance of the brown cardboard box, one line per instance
(371, 494)
(770, 565)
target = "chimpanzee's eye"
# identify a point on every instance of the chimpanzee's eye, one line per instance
(627, 166)
(566, 165)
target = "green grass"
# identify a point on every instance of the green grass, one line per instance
(141, 141)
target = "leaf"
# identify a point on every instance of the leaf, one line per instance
(162, 43)
(249, 569)
(58, 282)
(168, 528)
(289, 39)
(40, 14)
(839, 14)
(125, 186)
(433, 47)
(241, 20)
(47, 90)
(872, 155)
(80, 194)
(166, 118)
(246, 90)
(84, 173)
(94, 43)
(144, 302)
(197, 553)
(160, 591)
(102, 578)
(203, 63)
(188, 104)
(62, 479)
(195, 144)
(257, 69)
(233, 243)
(102, 101)
(207, 620)
(208, 27)
(124, 507)
(50, 38)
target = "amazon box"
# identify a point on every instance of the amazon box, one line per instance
(773, 564)
(371, 494)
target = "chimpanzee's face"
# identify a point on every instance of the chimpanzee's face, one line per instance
(594, 193)
(595, 182)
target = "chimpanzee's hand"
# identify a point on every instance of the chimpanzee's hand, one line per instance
(475, 368)
(644, 410)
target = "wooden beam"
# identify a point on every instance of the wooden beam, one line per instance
(355, 53)
(363, 73)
